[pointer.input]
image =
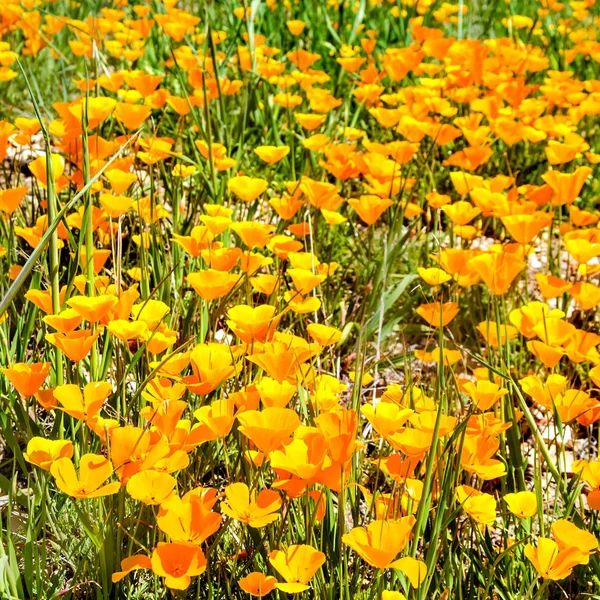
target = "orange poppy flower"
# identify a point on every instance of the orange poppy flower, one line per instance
(497, 269)
(131, 563)
(119, 180)
(43, 452)
(523, 228)
(370, 207)
(555, 559)
(253, 324)
(470, 159)
(590, 473)
(212, 364)
(253, 234)
(272, 154)
(310, 121)
(305, 281)
(94, 470)
(257, 584)
(180, 105)
(127, 330)
(247, 507)
(316, 142)
(11, 198)
(381, 541)
(581, 347)
(215, 420)
(133, 449)
(251, 262)
(440, 355)
(581, 218)
(324, 335)
(27, 378)
(386, 418)
(550, 562)
(566, 186)
(412, 442)
(212, 284)
(484, 394)
(82, 406)
(286, 206)
(303, 457)
(551, 286)
(497, 335)
(93, 309)
(278, 359)
(527, 317)
(38, 168)
(189, 519)
(115, 206)
(178, 563)
(297, 565)
(247, 188)
(274, 393)
(67, 320)
(522, 504)
(433, 275)
(144, 83)
(568, 535)
(75, 344)
(586, 294)
(221, 259)
(199, 239)
(131, 115)
(268, 428)
(216, 224)
(438, 314)
(151, 487)
(339, 430)
(478, 505)
(302, 59)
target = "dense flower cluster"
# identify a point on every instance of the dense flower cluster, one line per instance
(206, 243)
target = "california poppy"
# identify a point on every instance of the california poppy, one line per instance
(256, 583)
(82, 406)
(522, 504)
(257, 510)
(94, 470)
(215, 420)
(478, 505)
(253, 324)
(211, 284)
(178, 563)
(272, 154)
(381, 541)
(438, 314)
(247, 188)
(151, 487)
(269, 428)
(497, 269)
(297, 565)
(75, 344)
(566, 186)
(43, 452)
(27, 378)
(370, 207)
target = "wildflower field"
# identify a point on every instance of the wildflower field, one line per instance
(299, 299)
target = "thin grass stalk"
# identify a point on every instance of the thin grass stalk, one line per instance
(424, 505)
(88, 226)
